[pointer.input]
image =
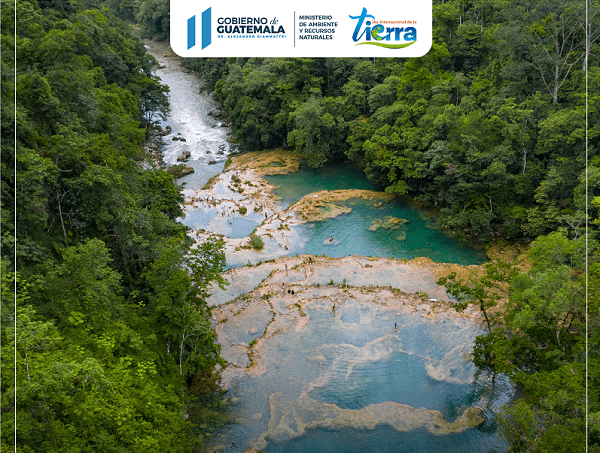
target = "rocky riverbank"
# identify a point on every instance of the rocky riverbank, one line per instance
(153, 146)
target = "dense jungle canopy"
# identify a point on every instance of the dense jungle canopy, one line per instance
(488, 126)
(112, 334)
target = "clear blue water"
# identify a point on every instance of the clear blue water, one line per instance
(350, 231)
(293, 186)
(353, 237)
(235, 227)
(399, 376)
(363, 362)
(387, 440)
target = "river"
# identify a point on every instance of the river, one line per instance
(353, 361)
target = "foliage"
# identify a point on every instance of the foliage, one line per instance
(487, 126)
(111, 301)
(154, 18)
(112, 322)
(179, 170)
(483, 290)
(539, 341)
(256, 242)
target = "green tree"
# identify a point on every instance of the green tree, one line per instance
(180, 281)
(549, 35)
(482, 290)
(311, 131)
(540, 344)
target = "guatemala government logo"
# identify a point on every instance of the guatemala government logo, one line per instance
(191, 30)
(233, 27)
(391, 34)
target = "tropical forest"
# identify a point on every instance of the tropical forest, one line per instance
(300, 254)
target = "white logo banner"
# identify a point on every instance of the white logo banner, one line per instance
(303, 29)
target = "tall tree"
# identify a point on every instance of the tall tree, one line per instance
(550, 36)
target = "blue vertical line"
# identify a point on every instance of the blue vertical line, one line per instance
(191, 29)
(206, 28)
